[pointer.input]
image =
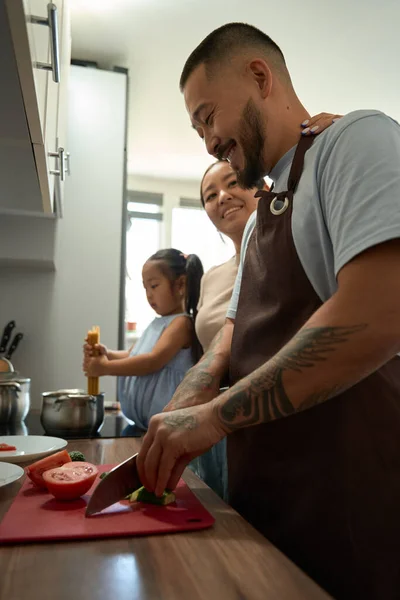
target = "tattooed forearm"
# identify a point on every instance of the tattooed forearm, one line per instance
(177, 421)
(261, 396)
(322, 395)
(200, 380)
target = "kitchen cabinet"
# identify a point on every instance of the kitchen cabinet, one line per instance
(35, 35)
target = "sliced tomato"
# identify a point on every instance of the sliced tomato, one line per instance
(70, 481)
(36, 470)
(7, 448)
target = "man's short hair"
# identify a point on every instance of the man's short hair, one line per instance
(229, 40)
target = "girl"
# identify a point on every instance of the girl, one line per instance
(149, 373)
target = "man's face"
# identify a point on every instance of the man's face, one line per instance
(226, 116)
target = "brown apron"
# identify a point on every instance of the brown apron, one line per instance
(322, 485)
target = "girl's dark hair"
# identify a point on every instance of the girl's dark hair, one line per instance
(259, 184)
(174, 264)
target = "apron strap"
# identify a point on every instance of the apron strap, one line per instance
(298, 162)
(295, 172)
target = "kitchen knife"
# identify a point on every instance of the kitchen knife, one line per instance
(14, 345)
(6, 335)
(120, 481)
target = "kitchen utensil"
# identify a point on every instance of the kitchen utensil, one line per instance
(14, 345)
(6, 336)
(30, 447)
(65, 413)
(121, 481)
(9, 473)
(36, 516)
(19, 399)
(6, 366)
(14, 428)
(8, 399)
(21, 407)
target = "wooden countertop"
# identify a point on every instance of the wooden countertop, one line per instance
(230, 561)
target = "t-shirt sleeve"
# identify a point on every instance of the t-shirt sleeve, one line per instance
(231, 314)
(248, 230)
(360, 187)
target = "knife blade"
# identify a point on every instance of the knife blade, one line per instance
(6, 335)
(120, 481)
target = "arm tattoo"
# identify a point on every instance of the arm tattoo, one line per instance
(261, 397)
(199, 378)
(180, 422)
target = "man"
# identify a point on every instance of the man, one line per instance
(313, 331)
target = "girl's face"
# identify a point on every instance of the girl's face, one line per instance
(164, 296)
(227, 204)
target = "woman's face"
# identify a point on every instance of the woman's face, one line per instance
(227, 205)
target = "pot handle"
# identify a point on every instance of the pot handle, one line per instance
(11, 384)
(59, 401)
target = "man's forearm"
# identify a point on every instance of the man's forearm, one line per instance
(321, 361)
(201, 383)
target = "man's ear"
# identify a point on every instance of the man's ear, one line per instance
(261, 74)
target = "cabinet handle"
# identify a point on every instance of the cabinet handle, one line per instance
(52, 23)
(67, 163)
(60, 156)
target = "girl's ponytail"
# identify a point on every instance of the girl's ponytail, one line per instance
(194, 273)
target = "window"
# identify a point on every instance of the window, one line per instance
(142, 240)
(193, 233)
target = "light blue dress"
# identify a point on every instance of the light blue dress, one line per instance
(142, 396)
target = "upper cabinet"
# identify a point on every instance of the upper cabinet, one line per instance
(35, 37)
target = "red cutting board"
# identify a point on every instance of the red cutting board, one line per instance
(36, 516)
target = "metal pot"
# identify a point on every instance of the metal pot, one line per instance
(14, 398)
(72, 412)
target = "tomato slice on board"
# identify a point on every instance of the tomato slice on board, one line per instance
(70, 481)
(36, 470)
(7, 448)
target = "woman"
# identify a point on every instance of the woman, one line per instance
(228, 206)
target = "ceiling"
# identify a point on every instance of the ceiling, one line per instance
(342, 56)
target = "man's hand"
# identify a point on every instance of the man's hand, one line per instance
(172, 441)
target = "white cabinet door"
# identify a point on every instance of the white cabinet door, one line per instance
(59, 117)
(38, 45)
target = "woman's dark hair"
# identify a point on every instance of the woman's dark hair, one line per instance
(259, 184)
(173, 265)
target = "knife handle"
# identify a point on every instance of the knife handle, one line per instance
(6, 335)
(14, 345)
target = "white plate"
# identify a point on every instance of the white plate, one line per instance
(9, 473)
(30, 447)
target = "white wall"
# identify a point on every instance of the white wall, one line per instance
(55, 309)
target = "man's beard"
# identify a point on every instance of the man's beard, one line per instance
(252, 139)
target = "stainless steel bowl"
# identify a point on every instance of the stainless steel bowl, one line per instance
(72, 413)
(14, 398)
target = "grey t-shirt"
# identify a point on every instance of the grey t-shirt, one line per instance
(348, 198)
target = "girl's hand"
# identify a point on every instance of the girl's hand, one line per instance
(319, 123)
(96, 350)
(95, 366)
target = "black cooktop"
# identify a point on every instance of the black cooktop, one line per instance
(115, 426)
